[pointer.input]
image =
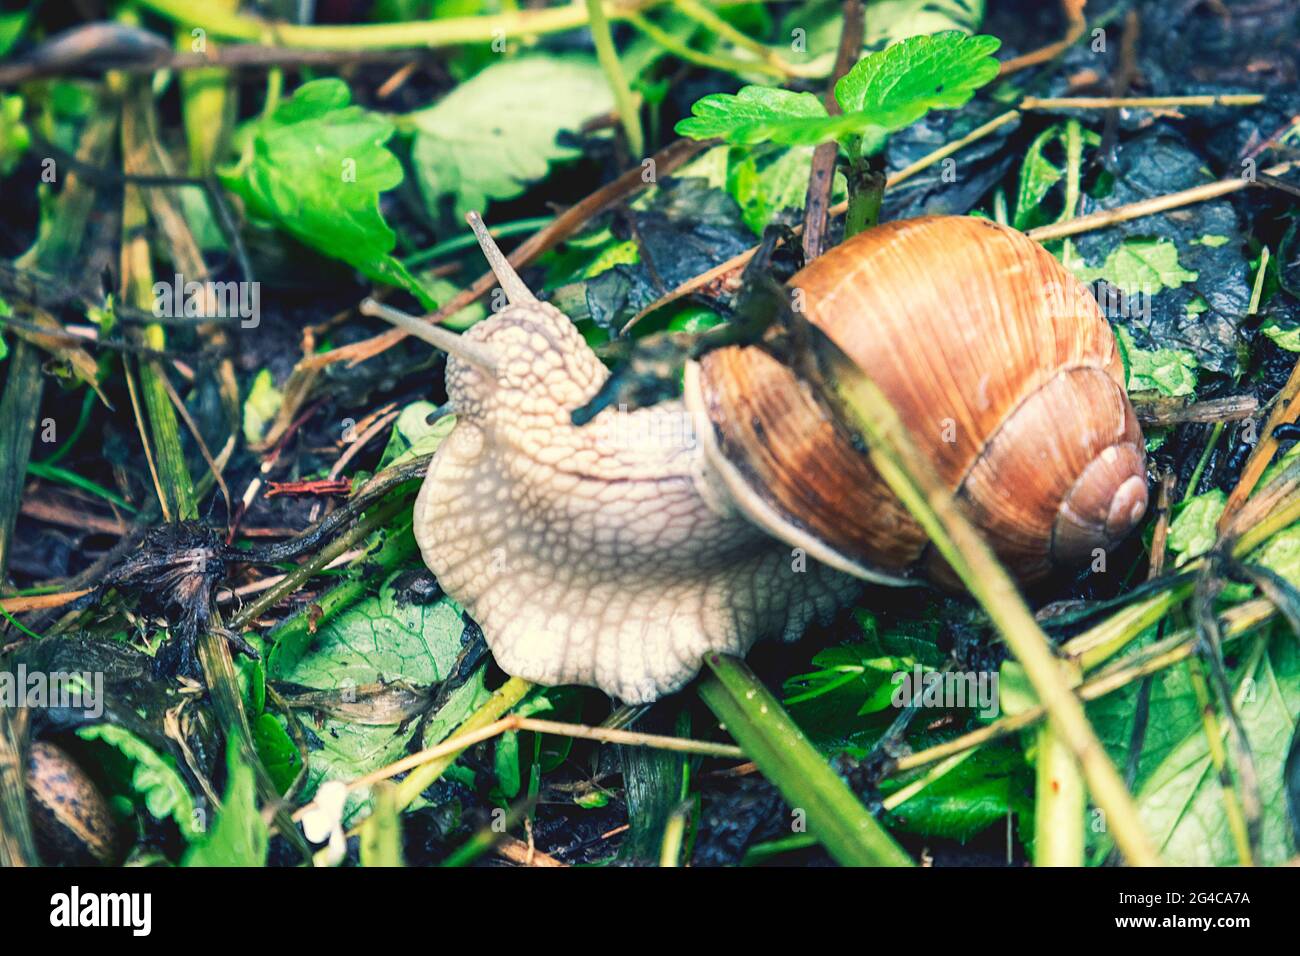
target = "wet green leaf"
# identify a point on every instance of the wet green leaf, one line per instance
(316, 167)
(496, 133)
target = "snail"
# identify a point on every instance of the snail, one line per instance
(71, 818)
(619, 553)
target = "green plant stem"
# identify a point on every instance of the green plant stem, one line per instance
(296, 578)
(759, 723)
(866, 193)
(83, 419)
(467, 241)
(1237, 622)
(1201, 462)
(1060, 794)
(1214, 734)
(1059, 804)
(497, 706)
(41, 469)
(670, 854)
(714, 61)
(381, 833)
(177, 487)
(911, 478)
(450, 31)
(1102, 641)
(706, 18)
(625, 101)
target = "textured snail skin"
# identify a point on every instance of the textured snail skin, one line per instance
(999, 362)
(603, 555)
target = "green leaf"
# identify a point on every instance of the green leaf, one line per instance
(1180, 800)
(1285, 338)
(316, 168)
(12, 26)
(153, 776)
(1193, 530)
(413, 435)
(495, 134)
(278, 752)
(1038, 175)
(1140, 266)
(884, 91)
(1168, 371)
(763, 185)
(261, 406)
(757, 722)
(977, 794)
(1281, 553)
(903, 82)
(240, 836)
(381, 639)
(15, 138)
(759, 114)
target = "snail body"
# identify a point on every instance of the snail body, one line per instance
(588, 559)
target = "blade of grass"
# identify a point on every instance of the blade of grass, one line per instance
(910, 477)
(381, 834)
(40, 469)
(177, 494)
(629, 108)
(497, 706)
(785, 756)
(60, 239)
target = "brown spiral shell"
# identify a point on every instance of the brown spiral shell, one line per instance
(999, 362)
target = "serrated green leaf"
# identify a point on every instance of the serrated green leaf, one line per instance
(764, 185)
(496, 133)
(1170, 372)
(240, 836)
(1140, 266)
(884, 91)
(153, 777)
(316, 167)
(381, 639)
(901, 83)
(760, 114)
(1194, 530)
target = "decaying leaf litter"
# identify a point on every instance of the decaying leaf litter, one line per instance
(246, 663)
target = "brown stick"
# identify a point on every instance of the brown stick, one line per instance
(245, 55)
(822, 180)
(566, 224)
(1073, 10)
(1286, 408)
(1148, 207)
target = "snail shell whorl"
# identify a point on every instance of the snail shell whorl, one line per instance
(999, 362)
